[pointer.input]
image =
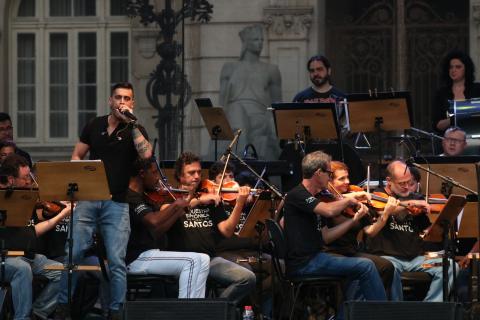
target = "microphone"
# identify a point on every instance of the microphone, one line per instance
(129, 115)
(230, 146)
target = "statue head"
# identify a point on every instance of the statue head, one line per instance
(252, 39)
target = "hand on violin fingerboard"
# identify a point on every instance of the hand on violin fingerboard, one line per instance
(206, 199)
(361, 212)
(243, 193)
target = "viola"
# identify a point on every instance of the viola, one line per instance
(379, 201)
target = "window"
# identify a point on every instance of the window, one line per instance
(63, 65)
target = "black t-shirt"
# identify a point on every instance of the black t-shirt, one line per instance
(197, 230)
(117, 152)
(346, 244)
(311, 96)
(52, 243)
(141, 238)
(441, 102)
(400, 237)
(302, 227)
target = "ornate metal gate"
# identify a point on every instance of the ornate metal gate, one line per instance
(395, 44)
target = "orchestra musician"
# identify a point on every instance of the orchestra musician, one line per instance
(458, 83)
(305, 243)
(117, 140)
(400, 240)
(146, 252)
(204, 225)
(19, 271)
(345, 242)
(454, 142)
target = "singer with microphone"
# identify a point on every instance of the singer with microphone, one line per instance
(118, 140)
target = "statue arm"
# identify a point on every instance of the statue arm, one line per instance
(276, 85)
(225, 75)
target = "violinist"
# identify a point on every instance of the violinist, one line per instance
(399, 241)
(146, 252)
(345, 242)
(304, 240)
(204, 225)
(15, 173)
(242, 250)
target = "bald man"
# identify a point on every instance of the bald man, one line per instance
(400, 242)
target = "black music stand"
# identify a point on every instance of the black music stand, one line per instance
(16, 207)
(303, 122)
(216, 122)
(72, 181)
(443, 230)
(382, 111)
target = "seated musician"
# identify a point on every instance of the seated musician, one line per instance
(400, 241)
(454, 142)
(345, 241)
(204, 225)
(148, 226)
(305, 245)
(243, 250)
(15, 173)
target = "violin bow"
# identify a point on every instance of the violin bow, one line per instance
(163, 179)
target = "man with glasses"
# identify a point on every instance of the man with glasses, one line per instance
(400, 239)
(118, 141)
(454, 142)
(19, 271)
(304, 208)
(6, 135)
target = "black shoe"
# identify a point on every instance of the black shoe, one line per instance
(62, 312)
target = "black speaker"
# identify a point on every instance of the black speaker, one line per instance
(411, 310)
(180, 309)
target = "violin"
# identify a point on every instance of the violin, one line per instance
(334, 195)
(164, 195)
(50, 208)
(437, 202)
(228, 192)
(379, 201)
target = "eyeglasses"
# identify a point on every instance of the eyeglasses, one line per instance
(403, 183)
(120, 97)
(453, 140)
(330, 173)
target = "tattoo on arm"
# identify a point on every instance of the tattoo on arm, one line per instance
(142, 147)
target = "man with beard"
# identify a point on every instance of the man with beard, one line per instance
(322, 90)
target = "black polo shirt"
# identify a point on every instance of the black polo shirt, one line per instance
(116, 150)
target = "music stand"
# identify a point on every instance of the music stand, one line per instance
(260, 212)
(443, 229)
(383, 111)
(16, 207)
(216, 122)
(72, 181)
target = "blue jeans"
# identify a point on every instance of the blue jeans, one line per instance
(19, 272)
(435, 293)
(113, 222)
(239, 281)
(361, 269)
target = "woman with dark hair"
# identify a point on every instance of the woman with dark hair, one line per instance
(457, 77)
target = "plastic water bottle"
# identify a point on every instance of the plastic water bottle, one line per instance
(248, 313)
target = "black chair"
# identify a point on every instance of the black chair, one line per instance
(329, 288)
(415, 285)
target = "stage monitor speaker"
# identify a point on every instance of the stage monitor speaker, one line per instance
(411, 310)
(180, 309)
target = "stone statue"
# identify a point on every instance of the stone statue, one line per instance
(247, 89)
